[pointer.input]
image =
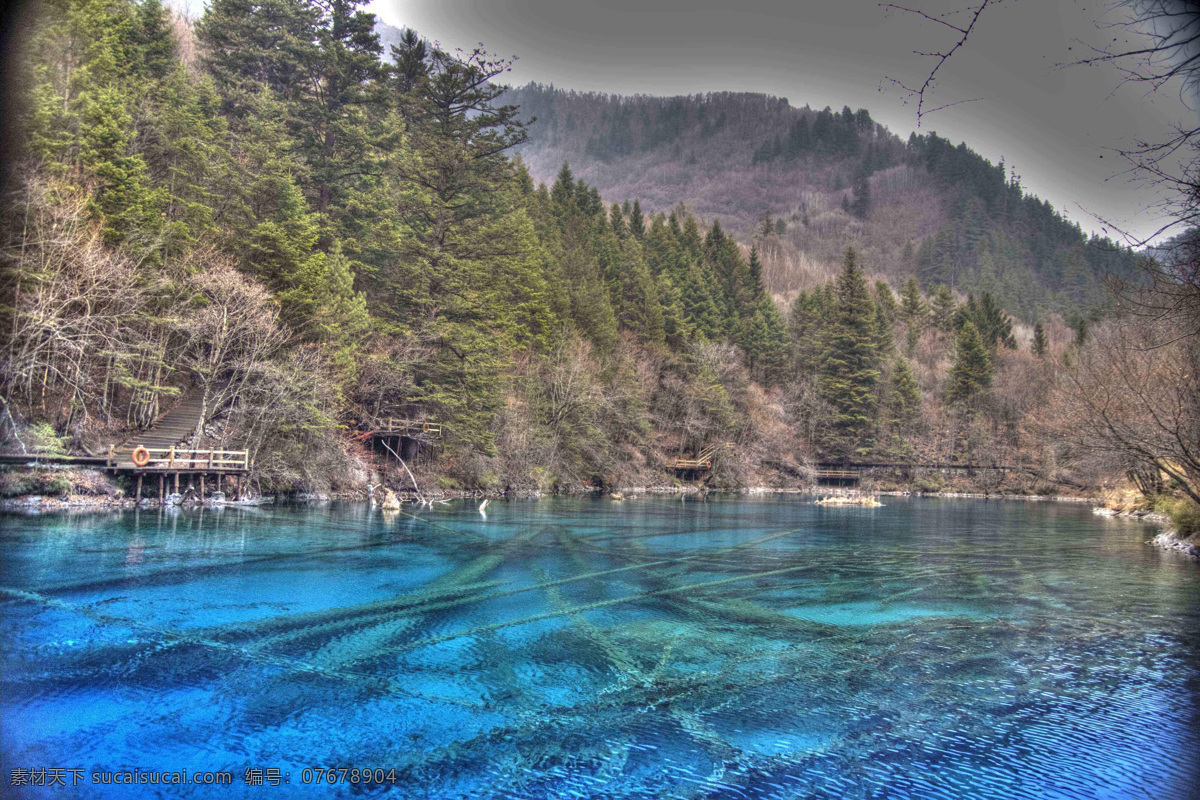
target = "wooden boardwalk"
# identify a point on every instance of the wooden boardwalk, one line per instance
(162, 452)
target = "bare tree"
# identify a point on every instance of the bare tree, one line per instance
(1130, 400)
(231, 329)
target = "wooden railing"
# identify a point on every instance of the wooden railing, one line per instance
(183, 459)
(410, 427)
(703, 459)
(692, 463)
(851, 472)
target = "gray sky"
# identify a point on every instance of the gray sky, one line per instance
(1055, 126)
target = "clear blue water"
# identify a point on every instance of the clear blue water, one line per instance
(740, 647)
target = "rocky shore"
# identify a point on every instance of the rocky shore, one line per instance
(1172, 540)
(1123, 504)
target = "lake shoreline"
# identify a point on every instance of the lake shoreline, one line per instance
(1167, 538)
(115, 500)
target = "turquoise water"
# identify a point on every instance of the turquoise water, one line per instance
(740, 647)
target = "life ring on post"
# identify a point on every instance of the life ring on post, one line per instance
(141, 456)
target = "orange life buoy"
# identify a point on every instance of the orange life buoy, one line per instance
(141, 456)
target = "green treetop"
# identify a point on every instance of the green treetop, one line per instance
(902, 409)
(913, 312)
(850, 370)
(637, 222)
(942, 312)
(617, 220)
(1040, 343)
(972, 369)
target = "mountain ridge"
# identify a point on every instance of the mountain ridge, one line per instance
(928, 208)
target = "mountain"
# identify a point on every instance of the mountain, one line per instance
(825, 179)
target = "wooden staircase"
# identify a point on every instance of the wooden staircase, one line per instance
(173, 427)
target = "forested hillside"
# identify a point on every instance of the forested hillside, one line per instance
(820, 179)
(319, 234)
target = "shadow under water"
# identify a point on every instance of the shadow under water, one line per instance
(740, 647)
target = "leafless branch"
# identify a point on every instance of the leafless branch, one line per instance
(942, 57)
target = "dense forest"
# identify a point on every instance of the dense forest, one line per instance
(826, 178)
(319, 233)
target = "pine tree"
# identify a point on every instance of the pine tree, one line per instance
(734, 292)
(466, 267)
(704, 312)
(563, 191)
(972, 369)
(766, 226)
(321, 303)
(912, 307)
(943, 308)
(995, 327)
(690, 240)
(340, 105)
(187, 155)
(807, 327)
(123, 198)
(754, 278)
(583, 198)
(763, 338)
(637, 223)
(617, 220)
(89, 66)
(677, 330)
(154, 40)
(884, 342)
(902, 412)
(913, 312)
(1040, 342)
(762, 334)
(850, 371)
(638, 310)
(886, 300)
(251, 46)
(410, 58)
(322, 61)
(862, 194)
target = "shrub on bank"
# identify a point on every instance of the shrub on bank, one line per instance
(15, 483)
(1183, 512)
(928, 484)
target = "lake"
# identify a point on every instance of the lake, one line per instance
(741, 647)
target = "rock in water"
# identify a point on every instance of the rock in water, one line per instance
(867, 501)
(390, 501)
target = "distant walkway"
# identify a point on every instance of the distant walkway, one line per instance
(851, 472)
